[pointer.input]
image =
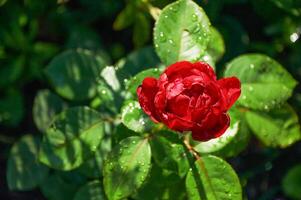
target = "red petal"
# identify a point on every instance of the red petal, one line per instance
(230, 88)
(146, 95)
(178, 124)
(205, 68)
(179, 105)
(201, 133)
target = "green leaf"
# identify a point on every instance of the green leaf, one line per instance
(75, 73)
(73, 135)
(276, 128)
(24, 172)
(212, 178)
(137, 61)
(134, 118)
(232, 142)
(58, 187)
(90, 191)
(182, 32)
(109, 75)
(93, 166)
(216, 45)
(126, 167)
(170, 186)
(265, 83)
(142, 29)
(134, 82)
(170, 155)
(291, 183)
(125, 18)
(46, 106)
(83, 37)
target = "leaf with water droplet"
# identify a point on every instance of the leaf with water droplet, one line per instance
(264, 82)
(134, 118)
(71, 138)
(182, 22)
(211, 177)
(277, 128)
(216, 46)
(127, 173)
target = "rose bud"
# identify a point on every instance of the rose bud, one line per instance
(188, 97)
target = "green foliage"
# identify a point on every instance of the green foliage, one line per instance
(75, 74)
(134, 118)
(72, 136)
(211, 177)
(90, 191)
(126, 167)
(265, 83)
(170, 156)
(24, 172)
(181, 32)
(277, 128)
(46, 106)
(57, 81)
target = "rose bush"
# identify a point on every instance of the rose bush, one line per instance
(188, 97)
(90, 138)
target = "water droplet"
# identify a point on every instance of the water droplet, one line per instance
(170, 41)
(162, 37)
(194, 17)
(294, 37)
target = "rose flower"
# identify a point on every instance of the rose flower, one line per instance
(188, 97)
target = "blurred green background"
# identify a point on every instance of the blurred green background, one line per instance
(34, 31)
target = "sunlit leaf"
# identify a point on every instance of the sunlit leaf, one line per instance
(212, 178)
(46, 106)
(265, 83)
(24, 172)
(182, 32)
(126, 167)
(75, 74)
(73, 135)
(134, 118)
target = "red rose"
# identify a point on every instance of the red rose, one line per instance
(187, 97)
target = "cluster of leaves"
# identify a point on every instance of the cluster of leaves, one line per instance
(98, 144)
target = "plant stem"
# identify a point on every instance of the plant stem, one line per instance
(190, 148)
